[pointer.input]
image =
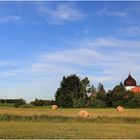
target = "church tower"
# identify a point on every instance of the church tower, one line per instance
(130, 82)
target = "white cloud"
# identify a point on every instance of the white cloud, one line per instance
(106, 11)
(104, 65)
(111, 42)
(6, 63)
(97, 59)
(77, 56)
(116, 13)
(129, 31)
(92, 54)
(62, 13)
(9, 18)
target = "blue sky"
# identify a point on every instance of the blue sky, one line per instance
(40, 42)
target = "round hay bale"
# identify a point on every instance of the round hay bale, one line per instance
(120, 108)
(83, 114)
(54, 107)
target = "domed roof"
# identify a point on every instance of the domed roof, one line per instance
(130, 81)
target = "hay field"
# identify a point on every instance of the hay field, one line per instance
(69, 112)
(65, 123)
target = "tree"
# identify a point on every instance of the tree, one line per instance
(85, 86)
(119, 92)
(109, 98)
(101, 92)
(92, 91)
(40, 102)
(63, 98)
(79, 103)
(19, 102)
(98, 103)
(71, 89)
(119, 96)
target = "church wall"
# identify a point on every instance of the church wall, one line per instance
(129, 87)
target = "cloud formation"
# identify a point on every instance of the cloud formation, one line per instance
(9, 18)
(62, 13)
(105, 60)
(129, 31)
(86, 44)
(104, 66)
(105, 11)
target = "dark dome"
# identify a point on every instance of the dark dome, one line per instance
(130, 81)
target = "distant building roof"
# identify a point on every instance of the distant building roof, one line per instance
(130, 81)
(135, 90)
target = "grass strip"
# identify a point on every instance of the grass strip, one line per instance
(99, 119)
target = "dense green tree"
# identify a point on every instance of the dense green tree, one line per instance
(92, 91)
(118, 93)
(71, 89)
(133, 100)
(115, 97)
(109, 98)
(119, 96)
(79, 103)
(97, 103)
(63, 98)
(100, 92)
(19, 102)
(74, 92)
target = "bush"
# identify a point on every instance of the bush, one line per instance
(27, 106)
(40, 102)
(135, 102)
(19, 102)
(118, 103)
(79, 103)
(98, 103)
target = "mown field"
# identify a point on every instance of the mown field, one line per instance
(64, 123)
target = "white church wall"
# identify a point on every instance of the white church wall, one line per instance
(129, 87)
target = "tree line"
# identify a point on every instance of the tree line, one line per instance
(22, 103)
(74, 92)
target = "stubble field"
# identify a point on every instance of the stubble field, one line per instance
(65, 123)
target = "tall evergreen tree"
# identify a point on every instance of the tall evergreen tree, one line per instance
(101, 92)
(92, 91)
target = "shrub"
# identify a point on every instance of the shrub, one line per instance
(134, 102)
(19, 102)
(98, 103)
(27, 106)
(40, 102)
(118, 103)
(79, 103)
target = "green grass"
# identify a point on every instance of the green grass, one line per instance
(32, 130)
(6, 105)
(31, 123)
(68, 119)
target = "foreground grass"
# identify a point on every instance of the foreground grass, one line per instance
(38, 123)
(32, 130)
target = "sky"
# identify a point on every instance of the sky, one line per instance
(40, 42)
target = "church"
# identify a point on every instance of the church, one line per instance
(131, 84)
